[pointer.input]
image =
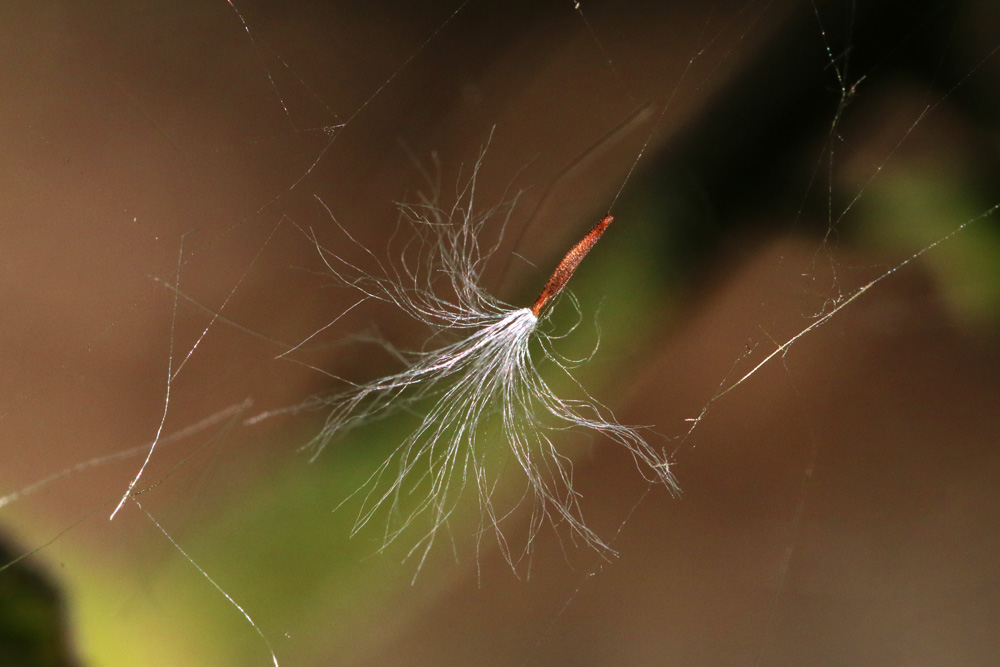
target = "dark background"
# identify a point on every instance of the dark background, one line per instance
(839, 506)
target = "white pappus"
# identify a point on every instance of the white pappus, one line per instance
(479, 397)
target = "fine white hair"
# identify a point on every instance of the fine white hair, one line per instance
(479, 396)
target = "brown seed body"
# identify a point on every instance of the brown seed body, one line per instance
(568, 265)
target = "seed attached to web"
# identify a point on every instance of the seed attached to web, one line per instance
(564, 271)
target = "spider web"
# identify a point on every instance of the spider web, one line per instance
(799, 296)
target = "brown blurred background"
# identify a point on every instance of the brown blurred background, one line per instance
(839, 506)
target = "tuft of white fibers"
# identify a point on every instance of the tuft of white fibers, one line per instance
(484, 409)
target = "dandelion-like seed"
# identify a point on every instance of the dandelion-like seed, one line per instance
(482, 387)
